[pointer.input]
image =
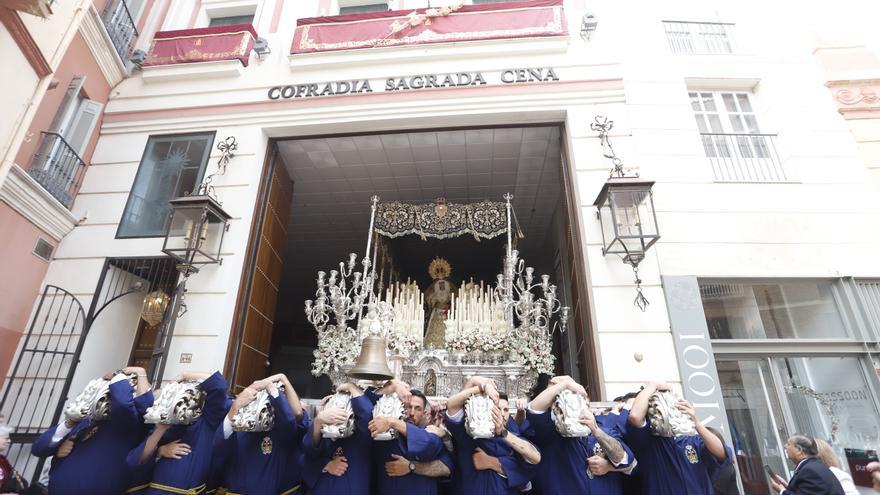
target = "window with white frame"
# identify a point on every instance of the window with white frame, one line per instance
(707, 38)
(732, 140)
(361, 8)
(231, 20)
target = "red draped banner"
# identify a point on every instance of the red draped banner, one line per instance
(202, 45)
(537, 18)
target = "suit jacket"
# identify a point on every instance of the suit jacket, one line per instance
(813, 477)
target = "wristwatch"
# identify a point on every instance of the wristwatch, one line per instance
(412, 466)
(503, 433)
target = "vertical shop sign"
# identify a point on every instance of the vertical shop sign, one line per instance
(693, 348)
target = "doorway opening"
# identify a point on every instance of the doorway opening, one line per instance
(315, 209)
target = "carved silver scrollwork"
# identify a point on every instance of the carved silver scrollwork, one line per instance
(478, 417)
(666, 419)
(389, 406)
(567, 410)
(177, 404)
(343, 430)
(259, 415)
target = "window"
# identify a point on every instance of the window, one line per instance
(172, 166)
(359, 9)
(774, 310)
(699, 37)
(58, 164)
(731, 138)
(231, 20)
(43, 249)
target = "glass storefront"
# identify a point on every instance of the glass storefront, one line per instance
(771, 395)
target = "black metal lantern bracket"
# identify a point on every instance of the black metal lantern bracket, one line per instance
(628, 201)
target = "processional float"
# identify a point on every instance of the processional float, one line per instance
(502, 331)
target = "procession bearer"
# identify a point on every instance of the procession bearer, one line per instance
(575, 464)
(188, 473)
(676, 465)
(340, 467)
(89, 456)
(413, 462)
(503, 464)
(257, 463)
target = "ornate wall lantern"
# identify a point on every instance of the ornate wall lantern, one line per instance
(625, 208)
(155, 304)
(195, 232)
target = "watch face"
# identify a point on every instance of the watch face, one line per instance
(412, 466)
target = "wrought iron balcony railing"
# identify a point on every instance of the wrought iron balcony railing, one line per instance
(58, 168)
(744, 157)
(703, 38)
(121, 27)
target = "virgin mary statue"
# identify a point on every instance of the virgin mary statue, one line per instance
(438, 296)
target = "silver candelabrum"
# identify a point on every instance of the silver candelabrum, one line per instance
(342, 297)
(516, 288)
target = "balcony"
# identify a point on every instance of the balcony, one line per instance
(699, 38)
(58, 168)
(120, 27)
(508, 20)
(744, 157)
(219, 43)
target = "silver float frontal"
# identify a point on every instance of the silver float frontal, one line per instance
(343, 430)
(666, 419)
(93, 402)
(567, 410)
(478, 417)
(258, 415)
(388, 406)
(177, 404)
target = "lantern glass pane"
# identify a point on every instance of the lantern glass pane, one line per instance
(628, 221)
(183, 232)
(212, 238)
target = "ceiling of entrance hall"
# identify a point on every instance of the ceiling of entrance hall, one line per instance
(335, 177)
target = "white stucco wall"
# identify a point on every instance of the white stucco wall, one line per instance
(814, 226)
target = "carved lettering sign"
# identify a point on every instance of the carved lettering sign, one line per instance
(410, 83)
(696, 362)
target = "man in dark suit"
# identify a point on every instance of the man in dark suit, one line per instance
(812, 476)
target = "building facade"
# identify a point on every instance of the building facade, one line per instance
(763, 297)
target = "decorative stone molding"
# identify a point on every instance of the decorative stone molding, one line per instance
(21, 192)
(99, 43)
(25, 42)
(856, 98)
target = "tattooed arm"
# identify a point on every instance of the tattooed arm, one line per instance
(610, 445)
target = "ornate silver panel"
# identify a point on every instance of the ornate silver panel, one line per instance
(177, 404)
(666, 419)
(259, 415)
(389, 406)
(93, 402)
(567, 410)
(343, 430)
(451, 371)
(478, 417)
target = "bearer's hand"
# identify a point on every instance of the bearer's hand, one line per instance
(483, 461)
(499, 419)
(522, 404)
(243, 398)
(379, 424)
(337, 467)
(398, 467)
(437, 430)
(659, 386)
(396, 386)
(561, 379)
(174, 450)
(64, 449)
(688, 409)
(332, 416)
(599, 466)
(588, 419)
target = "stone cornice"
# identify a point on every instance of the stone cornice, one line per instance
(23, 194)
(95, 35)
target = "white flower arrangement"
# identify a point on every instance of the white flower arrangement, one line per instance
(534, 352)
(337, 347)
(401, 344)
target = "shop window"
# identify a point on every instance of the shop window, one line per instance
(172, 166)
(768, 399)
(773, 310)
(231, 20)
(362, 8)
